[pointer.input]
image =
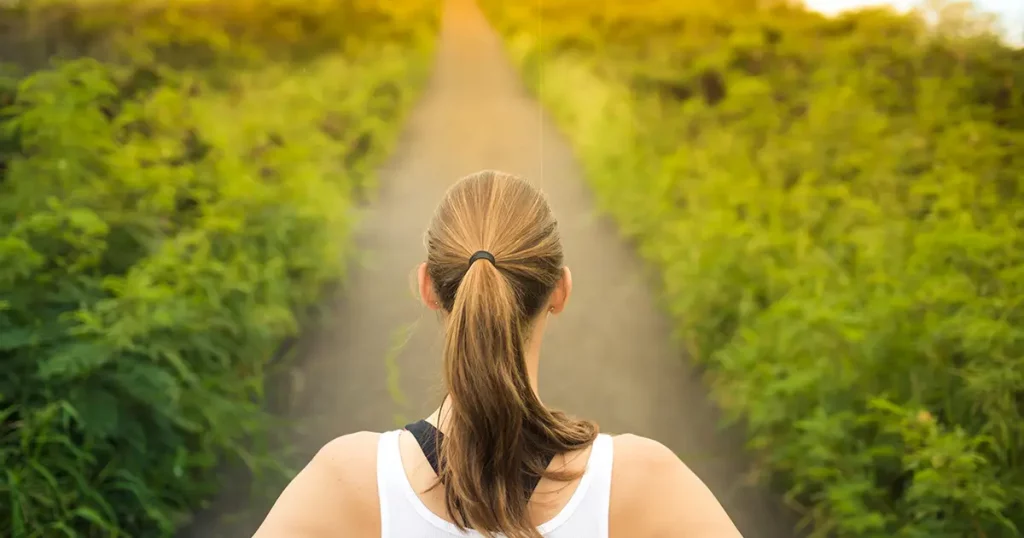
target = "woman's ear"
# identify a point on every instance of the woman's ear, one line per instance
(427, 293)
(561, 293)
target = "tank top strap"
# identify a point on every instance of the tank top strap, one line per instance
(589, 509)
(602, 458)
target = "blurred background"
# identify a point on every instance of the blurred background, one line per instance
(802, 224)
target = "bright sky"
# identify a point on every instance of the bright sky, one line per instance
(1010, 12)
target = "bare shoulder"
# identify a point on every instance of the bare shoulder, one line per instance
(655, 494)
(349, 452)
(635, 450)
(334, 495)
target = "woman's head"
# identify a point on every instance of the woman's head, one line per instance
(510, 219)
(497, 427)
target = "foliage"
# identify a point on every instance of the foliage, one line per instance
(836, 207)
(191, 32)
(162, 225)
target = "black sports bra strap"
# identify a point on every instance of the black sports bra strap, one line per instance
(427, 436)
(530, 481)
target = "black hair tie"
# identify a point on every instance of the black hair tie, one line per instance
(482, 254)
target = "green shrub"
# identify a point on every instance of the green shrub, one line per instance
(835, 206)
(160, 231)
(201, 32)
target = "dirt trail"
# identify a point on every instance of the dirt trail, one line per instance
(608, 357)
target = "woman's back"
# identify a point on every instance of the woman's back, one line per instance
(409, 507)
(493, 458)
(650, 494)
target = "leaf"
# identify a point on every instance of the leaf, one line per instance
(47, 476)
(74, 360)
(98, 410)
(18, 518)
(68, 531)
(15, 337)
(149, 384)
(94, 517)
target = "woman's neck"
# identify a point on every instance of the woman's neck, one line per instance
(439, 417)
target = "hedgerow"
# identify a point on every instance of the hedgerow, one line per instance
(176, 187)
(836, 207)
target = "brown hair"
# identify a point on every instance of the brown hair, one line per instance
(497, 428)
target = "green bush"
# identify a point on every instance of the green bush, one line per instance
(163, 224)
(191, 32)
(836, 206)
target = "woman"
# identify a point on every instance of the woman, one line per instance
(493, 460)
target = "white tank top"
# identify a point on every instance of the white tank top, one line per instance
(403, 514)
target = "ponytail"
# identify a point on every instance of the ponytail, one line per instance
(497, 428)
(485, 371)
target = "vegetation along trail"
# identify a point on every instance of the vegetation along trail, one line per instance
(608, 357)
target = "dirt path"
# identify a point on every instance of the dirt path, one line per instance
(608, 357)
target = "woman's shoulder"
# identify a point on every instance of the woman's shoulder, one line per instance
(643, 467)
(348, 457)
(334, 495)
(359, 444)
(642, 450)
(655, 494)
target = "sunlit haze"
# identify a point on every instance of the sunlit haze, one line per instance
(1010, 12)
